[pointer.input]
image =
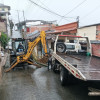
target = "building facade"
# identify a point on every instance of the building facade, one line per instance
(4, 19)
(30, 26)
(91, 31)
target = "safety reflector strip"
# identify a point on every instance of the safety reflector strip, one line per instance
(72, 71)
(77, 76)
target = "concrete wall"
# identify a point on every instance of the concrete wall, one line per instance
(2, 64)
(87, 31)
(2, 27)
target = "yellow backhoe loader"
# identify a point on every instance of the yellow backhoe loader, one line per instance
(25, 57)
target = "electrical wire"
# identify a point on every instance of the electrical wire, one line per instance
(47, 9)
(91, 12)
(72, 9)
(75, 7)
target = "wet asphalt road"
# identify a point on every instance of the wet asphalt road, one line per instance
(39, 84)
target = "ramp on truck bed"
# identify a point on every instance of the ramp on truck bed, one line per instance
(89, 66)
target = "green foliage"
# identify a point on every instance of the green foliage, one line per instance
(4, 40)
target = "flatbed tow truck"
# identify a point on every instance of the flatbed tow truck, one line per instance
(78, 64)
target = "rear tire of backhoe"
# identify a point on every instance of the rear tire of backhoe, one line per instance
(64, 77)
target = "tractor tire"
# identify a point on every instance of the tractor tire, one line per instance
(61, 47)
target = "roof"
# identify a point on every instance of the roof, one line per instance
(71, 36)
(66, 28)
(95, 41)
(90, 25)
(42, 21)
(5, 12)
(3, 6)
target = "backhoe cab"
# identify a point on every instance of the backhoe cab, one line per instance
(19, 46)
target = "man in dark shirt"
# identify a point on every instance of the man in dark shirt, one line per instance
(20, 48)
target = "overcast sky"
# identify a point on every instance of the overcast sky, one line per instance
(87, 10)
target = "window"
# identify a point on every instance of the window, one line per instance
(28, 29)
(60, 40)
(70, 47)
(3, 9)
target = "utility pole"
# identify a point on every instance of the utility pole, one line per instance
(24, 16)
(77, 19)
(18, 16)
(18, 20)
(24, 35)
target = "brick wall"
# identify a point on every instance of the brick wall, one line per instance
(96, 50)
(98, 33)
(41, 28)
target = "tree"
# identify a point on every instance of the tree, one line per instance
(4, 39)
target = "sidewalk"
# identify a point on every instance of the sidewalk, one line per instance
(2, 63)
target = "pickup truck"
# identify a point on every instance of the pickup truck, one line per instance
(74, 60)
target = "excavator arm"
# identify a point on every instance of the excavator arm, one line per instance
(31, 45)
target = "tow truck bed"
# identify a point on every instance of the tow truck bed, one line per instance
(87, 65)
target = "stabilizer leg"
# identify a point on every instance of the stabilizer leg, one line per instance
(12, 66)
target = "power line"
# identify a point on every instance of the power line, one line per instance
(72, 10)
(91, 12)
(47, 9)
(75, 7)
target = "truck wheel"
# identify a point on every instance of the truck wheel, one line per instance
(61, 47)
(64, 77)
(49, 65)
(54, 67)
